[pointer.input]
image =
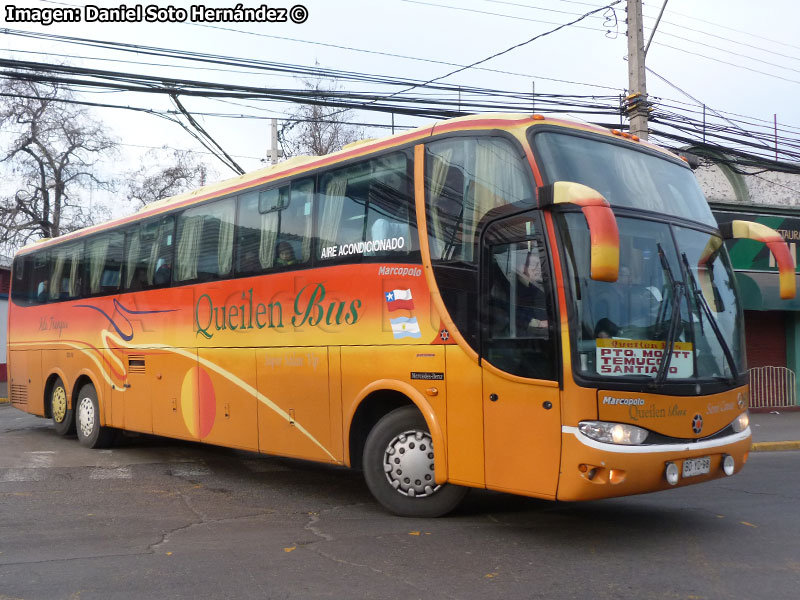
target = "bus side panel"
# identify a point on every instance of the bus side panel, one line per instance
(420, 367)
(335, 395)
(228, 407)
(26, 388)
(174, 394)
(137, 399)
(294, 407)
(114, 406)
(464, 419)
(55, 361)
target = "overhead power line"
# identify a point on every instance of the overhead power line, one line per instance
(433, 101)
(507, 50)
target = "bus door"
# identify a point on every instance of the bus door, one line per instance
(521, 401)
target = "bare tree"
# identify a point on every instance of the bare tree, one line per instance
(165, 172)
(319, 128)
(53, 149)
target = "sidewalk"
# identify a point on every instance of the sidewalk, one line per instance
(778, 430)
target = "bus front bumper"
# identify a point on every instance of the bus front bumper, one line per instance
(591, 469)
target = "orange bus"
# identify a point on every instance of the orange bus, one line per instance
(508, 302)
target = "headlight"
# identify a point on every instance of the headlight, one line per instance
(741, 422)
(613, 433)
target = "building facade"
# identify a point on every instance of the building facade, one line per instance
(772, 325)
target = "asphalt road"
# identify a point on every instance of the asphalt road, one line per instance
(154, 518)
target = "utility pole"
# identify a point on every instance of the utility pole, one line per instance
(636, 103)
(273, 152)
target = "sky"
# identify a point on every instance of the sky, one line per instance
(727, 54)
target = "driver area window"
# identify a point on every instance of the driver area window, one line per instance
(519, 330)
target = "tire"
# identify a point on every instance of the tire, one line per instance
(63, 415)
(405, 486)
(87, 420)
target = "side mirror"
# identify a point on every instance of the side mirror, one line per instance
(603, 231)
(776, 244)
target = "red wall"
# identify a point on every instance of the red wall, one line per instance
(766, 338)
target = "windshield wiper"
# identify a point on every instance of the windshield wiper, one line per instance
(701, 301)
(678, 291)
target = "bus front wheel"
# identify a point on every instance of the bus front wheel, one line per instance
(398, 467)
(87, 420)
(63, 415)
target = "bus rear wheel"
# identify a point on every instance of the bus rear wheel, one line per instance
(63, 415)
(87, 420)
(398, 467)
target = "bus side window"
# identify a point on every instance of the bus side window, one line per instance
(294, 236)
(248, 235)
(367, 210)
(148, 254)
(66, 277)
(466, 179)
(40, 277)
(274, 228)
(391, 219)
(205, 242)
(104, 254)
(26, 279)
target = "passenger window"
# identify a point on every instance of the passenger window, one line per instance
(65, 272)
(148, 254)
(40, 278)
(274, 228)
(367, 210)
(205, 242)
(104, 257)
(26, 281)
(465, 179)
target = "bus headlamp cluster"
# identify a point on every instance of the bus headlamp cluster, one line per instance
(613, 433)
(741, 422)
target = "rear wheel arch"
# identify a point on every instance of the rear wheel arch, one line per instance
(48, 392)
(57, 404)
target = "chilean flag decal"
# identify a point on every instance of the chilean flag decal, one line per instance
(397, 299)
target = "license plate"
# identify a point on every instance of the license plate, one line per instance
(696, 466)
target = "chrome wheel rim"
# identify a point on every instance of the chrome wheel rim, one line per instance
(408, 464)
(59, 404)
(86, 416)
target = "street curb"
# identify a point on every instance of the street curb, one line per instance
(775, 446)
(3, 400)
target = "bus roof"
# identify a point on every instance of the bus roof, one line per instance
(300, 164)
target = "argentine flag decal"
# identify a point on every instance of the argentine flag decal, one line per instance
(405, 327)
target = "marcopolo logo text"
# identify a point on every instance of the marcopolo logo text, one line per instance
(610, 400)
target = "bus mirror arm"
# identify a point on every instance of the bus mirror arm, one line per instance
(777, 246)
(603, 231)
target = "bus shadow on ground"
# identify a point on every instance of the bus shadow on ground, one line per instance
(646, 516)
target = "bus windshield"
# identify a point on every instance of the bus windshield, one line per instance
(626, 176)
(671, 291)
